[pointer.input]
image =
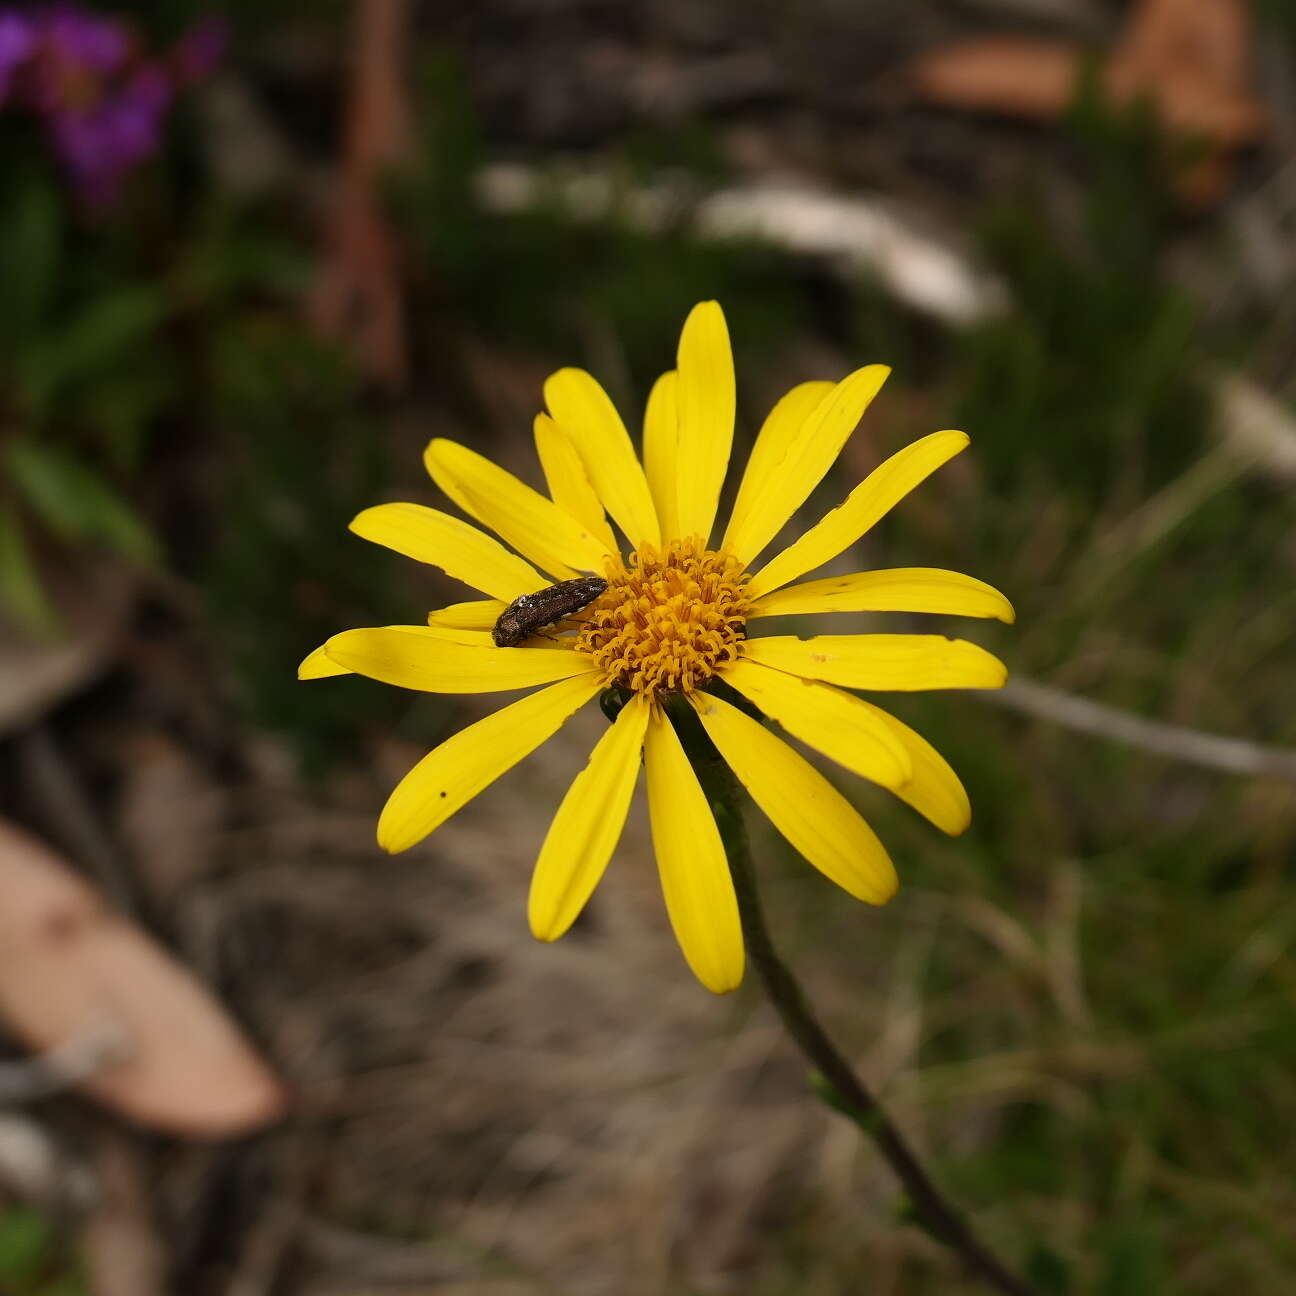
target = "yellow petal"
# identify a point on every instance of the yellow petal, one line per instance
(449, 776)
(459, 549)
(802, 440)
(661, 448)
(828, 720)
(535, 526)
(456, 634)
(935, 791)
(705, 398)
(585, 831)
(568, 482)
(318, 665)
(894, 589)
(467, 623)
(479, 614)
(819, 822)
(584, 414)
(879, 492)
(889, 662)
(691, 860)
(779, 431)
(417, 657)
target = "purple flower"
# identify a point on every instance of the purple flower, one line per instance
(99, 145)
(74, 58)
(15, 44)
(103, 103)
(87, 40)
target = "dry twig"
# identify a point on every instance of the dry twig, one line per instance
(1233, 755)
(358, 293)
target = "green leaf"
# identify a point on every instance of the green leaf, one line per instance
(20, 587)
(30, 233)
(74, 501)
(115, 521)
(25, 1240)
(40, 475)
(92, 345)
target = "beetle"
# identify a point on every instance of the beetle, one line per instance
(532, 612)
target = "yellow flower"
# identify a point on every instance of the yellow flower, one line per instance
(673, 618)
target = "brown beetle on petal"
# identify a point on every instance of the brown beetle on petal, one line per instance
(532, 612)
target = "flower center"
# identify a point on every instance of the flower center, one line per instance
(669, 619)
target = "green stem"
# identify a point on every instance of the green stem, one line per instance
(846, 1092)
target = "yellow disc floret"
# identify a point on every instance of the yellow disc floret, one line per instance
(669, 620)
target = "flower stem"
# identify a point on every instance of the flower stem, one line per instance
(845, 1091)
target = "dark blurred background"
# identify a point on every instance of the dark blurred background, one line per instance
(253, 258)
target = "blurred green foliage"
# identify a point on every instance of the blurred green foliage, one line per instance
(283, 573)
(33, 1261)
(540, 278)
(80, 384)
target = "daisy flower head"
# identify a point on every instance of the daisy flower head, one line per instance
(664, 619)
